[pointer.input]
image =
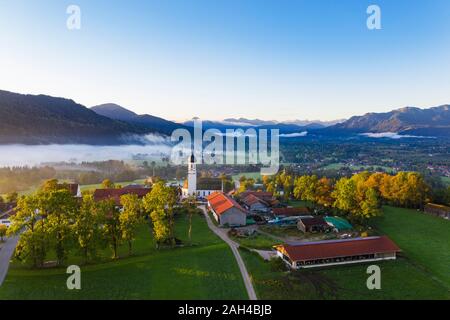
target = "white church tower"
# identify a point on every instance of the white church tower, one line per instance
(192, 176)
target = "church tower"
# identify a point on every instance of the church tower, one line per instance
(192, 176)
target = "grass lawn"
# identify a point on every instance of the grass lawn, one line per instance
(257, 241)
(400, 280)
(206, 270)
(423, 238)
(422, 271)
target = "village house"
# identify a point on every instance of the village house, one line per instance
(437, 210)
(337, 252)
(115, 194)
(314, 224)
(290, 212)
(255, 204)
(226, 210)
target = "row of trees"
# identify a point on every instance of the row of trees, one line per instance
(360, 195)
(52, 220)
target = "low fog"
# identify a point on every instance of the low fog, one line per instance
(24, 155)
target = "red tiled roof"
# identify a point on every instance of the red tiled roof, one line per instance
(290, 211)
(252, 199)
(220, 203)
(266, 196)
(338, 248)
(115, 194)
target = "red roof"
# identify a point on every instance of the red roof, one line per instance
(266, 196)
(221, 203)
(338, 248)
(115, 194)
(252, 199)
(290, 211)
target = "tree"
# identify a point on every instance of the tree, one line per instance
(87, 227)
(323, 192)
(370, 205)
(28, 224)
(12, 197)
(3, 229)
(130, 218)
(344, 195)
(108, 184)
(111, 226)
(161, 199)
(59, 208)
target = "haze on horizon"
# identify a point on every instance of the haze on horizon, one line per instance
(228, 58)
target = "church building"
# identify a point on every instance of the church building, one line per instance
(199, 187)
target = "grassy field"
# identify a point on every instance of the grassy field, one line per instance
(400, 280)
(424, 239)
(257, 241)
(421, 273)
(248, 175)
(206, 270)
(88, 187)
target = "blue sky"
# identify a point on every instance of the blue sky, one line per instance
(216, 59)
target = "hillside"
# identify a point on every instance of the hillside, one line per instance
(41, 119)
(409, 120)
(144, 122)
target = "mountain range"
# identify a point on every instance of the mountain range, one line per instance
(42, 119)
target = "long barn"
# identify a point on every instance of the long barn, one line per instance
(336, 252)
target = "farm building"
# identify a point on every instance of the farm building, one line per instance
(255, 204)
(265, 196)
(226, 210)
(337, 252)
(115, 194)
(314, 224)
(289, 212)
(437, 210)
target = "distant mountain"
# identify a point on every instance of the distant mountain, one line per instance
(300, 123)
(410, 120)
(144, 122)
(41, 119)
(236, 124)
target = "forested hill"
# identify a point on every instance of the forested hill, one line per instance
(41, 119)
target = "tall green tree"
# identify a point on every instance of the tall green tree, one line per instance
(87, 227)
(159, 203)
(28, 223)
(59, 209)
(111, 227)
(130, 218)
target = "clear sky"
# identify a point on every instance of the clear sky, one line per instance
(216, 59)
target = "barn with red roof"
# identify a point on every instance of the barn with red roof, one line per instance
(336, 252)
(226, 210)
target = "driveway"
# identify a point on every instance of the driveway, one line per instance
(6, 252)
(222, 233)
